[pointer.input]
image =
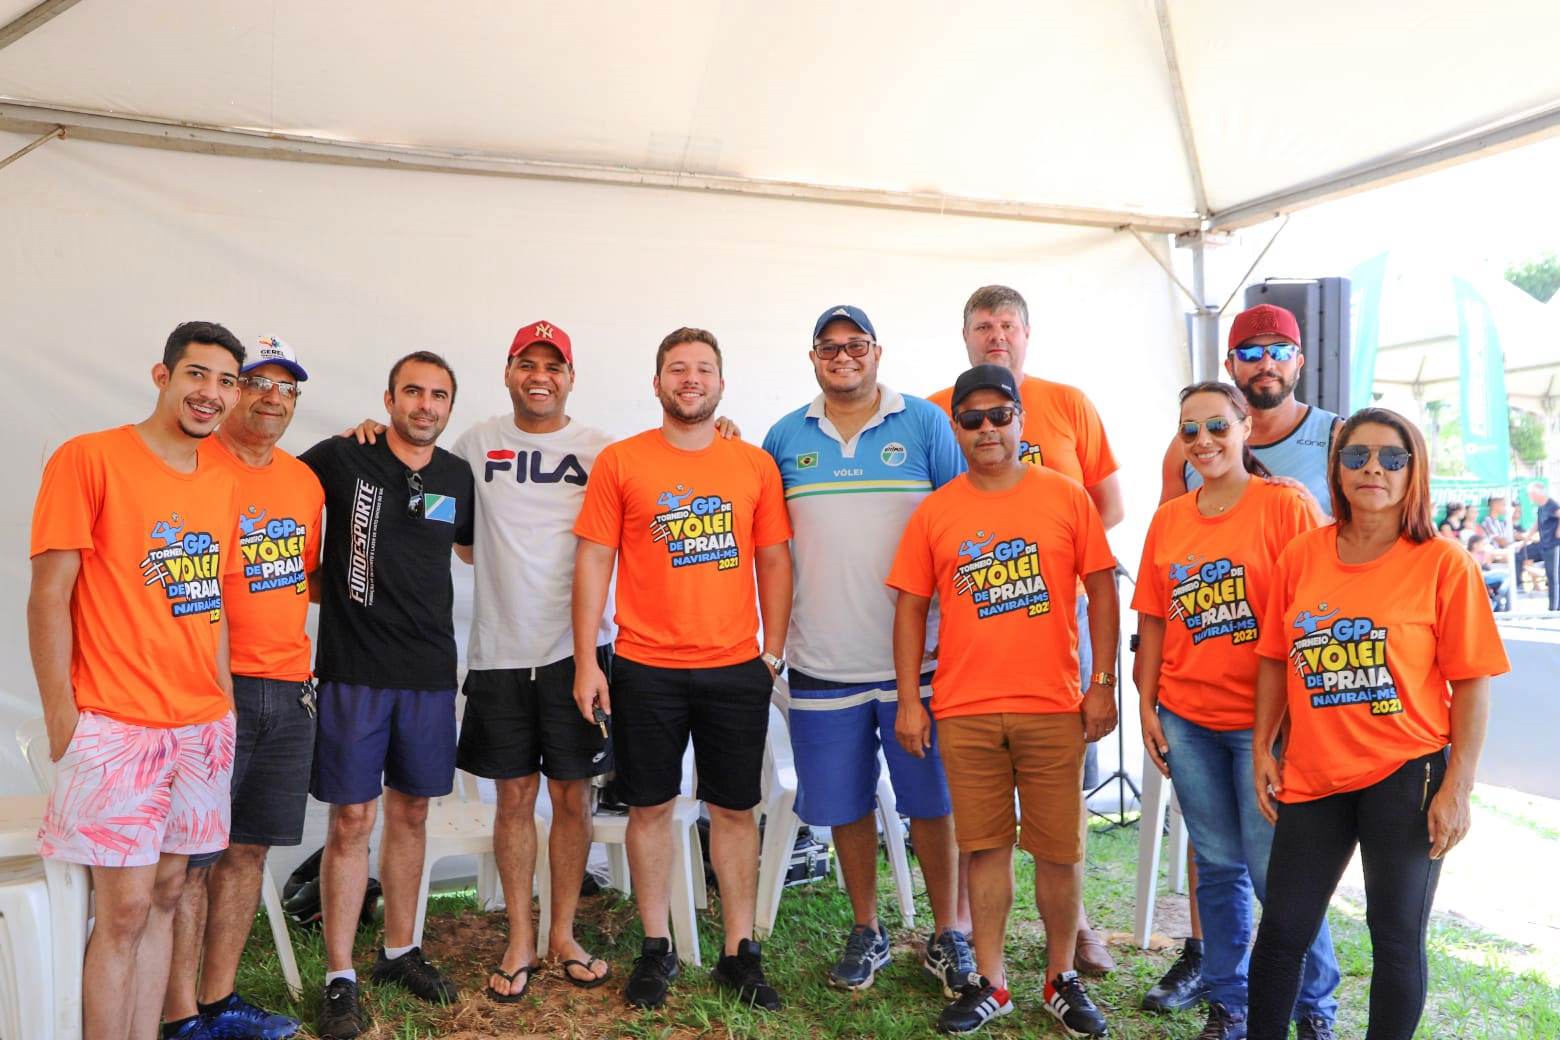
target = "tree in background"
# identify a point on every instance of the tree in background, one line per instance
(1527, 436)
(1539, 278)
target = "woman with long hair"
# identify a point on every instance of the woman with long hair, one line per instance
(1203, 586)
(1378, 646)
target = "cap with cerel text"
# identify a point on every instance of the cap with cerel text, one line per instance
(985, 377)
(844, 312)
(543, 332)
(272, 351)
(1263, 320)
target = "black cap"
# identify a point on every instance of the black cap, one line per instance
(985, 377)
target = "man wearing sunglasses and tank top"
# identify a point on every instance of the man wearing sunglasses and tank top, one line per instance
(1291, 439)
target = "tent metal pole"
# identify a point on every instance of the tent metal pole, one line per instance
(1205, 323)
(58, 131)
(1183, 113)
(33, 18)
(1168, 270)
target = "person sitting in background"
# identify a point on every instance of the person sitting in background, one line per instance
(1496, 565)
(1497, 522)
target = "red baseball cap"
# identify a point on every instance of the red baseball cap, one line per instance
(543, 332)
(1263, 320)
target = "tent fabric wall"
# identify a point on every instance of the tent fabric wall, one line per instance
(108, 247)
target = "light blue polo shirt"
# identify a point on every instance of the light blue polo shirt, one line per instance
(849, 502)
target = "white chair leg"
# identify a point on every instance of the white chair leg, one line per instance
(25, 933)
(618, 875)
(701, 895)
(272, 899)
(774, 861)
(544, 886)
(490, 892)
(1178, 844)
(894, 839)
(422, 901)
(685, 923)
(69, 891)
(1151, 821)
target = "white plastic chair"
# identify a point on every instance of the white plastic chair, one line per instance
(458, 826)
(778, 809)
(1158, 798)
(26, 986)
(893, 832)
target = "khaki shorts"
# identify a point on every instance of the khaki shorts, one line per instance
(988, 756)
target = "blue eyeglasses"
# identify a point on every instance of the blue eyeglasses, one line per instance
(1252, 352)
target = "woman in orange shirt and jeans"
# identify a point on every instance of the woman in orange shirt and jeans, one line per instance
(1378, 645)
(1202, 588)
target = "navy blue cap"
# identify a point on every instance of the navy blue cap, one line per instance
(985, 377)
(854, 315)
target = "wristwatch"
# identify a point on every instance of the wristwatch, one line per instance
(1102, 679)
(776, 664)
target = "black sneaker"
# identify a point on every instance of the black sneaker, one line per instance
(1314, 1027)
(1221, 1024)
(654, 969)
(978, 1002)
(745, 973)
(866, 953)
(949, 961)
(341, 1014)
(1069, 1003)
(1182, 986)
(412, 972)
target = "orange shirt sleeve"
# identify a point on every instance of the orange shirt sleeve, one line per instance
(1151, 596)
(914, 571)
(69, 497)
(1091, 550)
(1094, 454)
(601, 514)
(1270, 643)
(1467, 643)
(771, 521)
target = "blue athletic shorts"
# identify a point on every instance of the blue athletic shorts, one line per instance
(365, 735)
(836, 730)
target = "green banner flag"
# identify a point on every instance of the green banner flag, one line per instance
(1365, 287)
(1482, 385)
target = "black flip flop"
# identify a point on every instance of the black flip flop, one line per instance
(576, 981)
(509, 976)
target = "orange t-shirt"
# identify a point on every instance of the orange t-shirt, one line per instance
(267, 597)
(1005, 567)
(1207, 578)
(1369, 649)
(1062, 431)
(686, 525)
(155, 547)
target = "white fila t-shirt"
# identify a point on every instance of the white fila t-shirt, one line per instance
(529, 490)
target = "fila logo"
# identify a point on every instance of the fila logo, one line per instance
(544, 330)
(502, 460)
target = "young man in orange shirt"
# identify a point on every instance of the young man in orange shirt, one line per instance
(133, 532)
(690, 519)
(267, 604)
(1003, 547)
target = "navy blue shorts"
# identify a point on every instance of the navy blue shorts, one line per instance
(370, 738)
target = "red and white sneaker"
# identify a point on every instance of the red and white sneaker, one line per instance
(978, 1002)
(1069, 1003)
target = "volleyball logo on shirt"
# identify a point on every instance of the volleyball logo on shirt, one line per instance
(1029, 453)
(1343, 661)
(187, 565)
(1209, 598)
(696, 529)
(1001, 576)
(273, 552)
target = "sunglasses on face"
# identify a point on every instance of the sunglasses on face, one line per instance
(261, 385)
(1391, 457)
(1001, 415)
(856, 348)
(1251, 352)
(1218, 426)
(414, 504)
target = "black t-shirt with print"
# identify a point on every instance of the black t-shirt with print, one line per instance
(386, 595)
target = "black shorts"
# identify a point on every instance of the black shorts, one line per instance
(519, 720)
(726, 710)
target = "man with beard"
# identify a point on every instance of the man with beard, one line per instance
(690, 519)
(267, 605)
(1292, 440)
(859, 459)
(386, 665)
(133, 532)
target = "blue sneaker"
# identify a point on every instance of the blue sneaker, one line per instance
(949, 960)
(193, 1028)
(237, 1019)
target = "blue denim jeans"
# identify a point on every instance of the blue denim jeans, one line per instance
(1211, 770)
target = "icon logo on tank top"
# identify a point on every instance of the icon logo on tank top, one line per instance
(273, 551)
(1210, 599)
(1029, 453)
(1001, 576)
(1343, 661)
(187, 566)
(528, 465)
(696, 529)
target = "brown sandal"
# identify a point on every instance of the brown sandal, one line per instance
(509, 976)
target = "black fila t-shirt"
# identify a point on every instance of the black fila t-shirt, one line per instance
(386, 595)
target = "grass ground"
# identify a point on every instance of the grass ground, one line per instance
(1474, 991)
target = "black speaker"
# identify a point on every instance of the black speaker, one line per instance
(1321, 306)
